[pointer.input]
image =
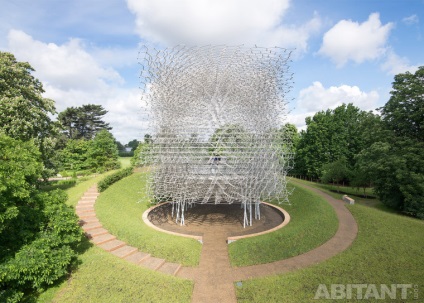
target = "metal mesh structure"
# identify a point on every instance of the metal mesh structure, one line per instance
(215, 117)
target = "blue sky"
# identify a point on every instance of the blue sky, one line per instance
(85, 51)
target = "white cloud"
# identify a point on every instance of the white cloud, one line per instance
(395, 65)
(72, 77)
(413, 19)
(66, 66)
(220, 21)
(316, 97)
(348, 40)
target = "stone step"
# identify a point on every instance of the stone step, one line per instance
(90, 226)
(84, 207)
(85, 204)
(152, 263)
(87, 198)
(91, 194)
(83, 211)
(84, 216)
(96, 232)
(102, 239)
(170, 268)
(124, 251)
(137, 257)
(88, 220)
(112, 245)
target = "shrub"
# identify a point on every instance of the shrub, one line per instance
(109, 180)
(38, 232)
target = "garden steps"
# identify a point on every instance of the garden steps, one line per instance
(86, 215)
(124, 251)
(102, 238)
(88, 220)
(96, 232)
(169, 268)
(137, 257)
(112, 245)
(152, 263)
(91, 226)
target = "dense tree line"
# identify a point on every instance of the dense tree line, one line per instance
(363, 149)
(39, 234)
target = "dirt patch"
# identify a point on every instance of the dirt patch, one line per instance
(203, 218)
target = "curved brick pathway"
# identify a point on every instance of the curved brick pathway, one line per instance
(102, 238)
(214, 278)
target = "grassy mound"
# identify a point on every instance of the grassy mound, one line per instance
(313, 222)
(120, 208)
(388, 250)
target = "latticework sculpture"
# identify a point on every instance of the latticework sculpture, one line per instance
(215, 115)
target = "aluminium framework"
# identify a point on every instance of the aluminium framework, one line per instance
(215, 115)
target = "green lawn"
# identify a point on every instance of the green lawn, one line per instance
(313, 222)
(102, 277)
(120, 208)
(354, 193)
(125, 161)
(389, 250)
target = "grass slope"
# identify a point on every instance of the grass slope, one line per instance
(389, 250)
(102, 277)
(120, 208)
(313, 222)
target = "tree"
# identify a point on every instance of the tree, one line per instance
(24, 113)
(404, 112)
(74, 155)
(335, 172)
(330, 136)
(102, 154)
(396, 162)
(38, 232)
(140, 157)
(133, 144)
(83, 122)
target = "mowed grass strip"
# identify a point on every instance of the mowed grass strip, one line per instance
(103, 277)
(313, 222)
(120, 209)
(389, 250)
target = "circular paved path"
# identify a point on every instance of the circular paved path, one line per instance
(214, 277)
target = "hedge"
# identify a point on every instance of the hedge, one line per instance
(109, 180)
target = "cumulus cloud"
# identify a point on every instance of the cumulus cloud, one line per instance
(316, 97)
(413, 19)
(66, 66)
(395, 64)
(358, 42)
(72, 77)
(220, 21)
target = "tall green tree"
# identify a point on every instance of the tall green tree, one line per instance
(335, 172)
(74, 156)
(133, 144)
(331, 135)
(396, 162)
(24, 113)
(102, 154)
(83, 122)
(38, 232)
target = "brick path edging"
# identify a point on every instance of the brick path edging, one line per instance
(102, 238)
